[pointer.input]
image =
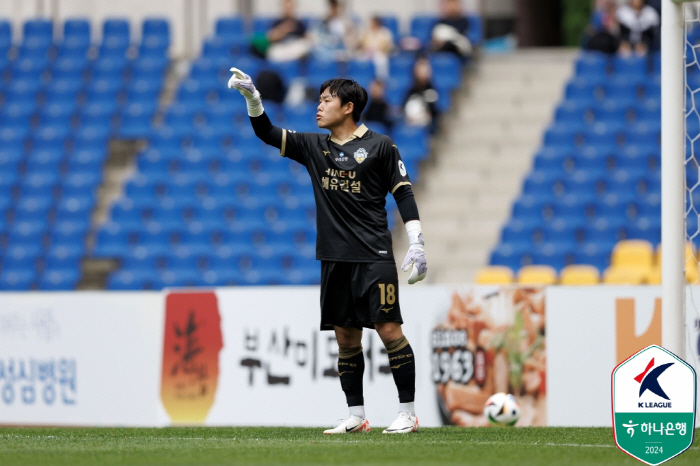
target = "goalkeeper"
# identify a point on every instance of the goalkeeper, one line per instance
(352, 169)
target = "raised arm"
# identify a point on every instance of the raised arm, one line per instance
(264, 129)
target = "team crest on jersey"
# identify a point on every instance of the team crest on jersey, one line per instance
(402, 168)
(360, 155)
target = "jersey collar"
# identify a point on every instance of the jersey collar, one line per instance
(359, 132)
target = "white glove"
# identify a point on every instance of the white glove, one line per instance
(416, 255)
(244, 84)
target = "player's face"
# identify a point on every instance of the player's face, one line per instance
(330, 112)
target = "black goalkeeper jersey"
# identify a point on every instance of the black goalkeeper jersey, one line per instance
(350, 180)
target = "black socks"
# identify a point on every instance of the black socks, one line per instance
(403, 368)
(351, 367)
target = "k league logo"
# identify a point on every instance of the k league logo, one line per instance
(650, 382)
(653, 404)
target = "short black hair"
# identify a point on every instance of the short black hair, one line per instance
(347, 90)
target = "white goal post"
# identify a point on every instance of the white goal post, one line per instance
(673, 233)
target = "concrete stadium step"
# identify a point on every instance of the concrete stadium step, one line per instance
(481, 155)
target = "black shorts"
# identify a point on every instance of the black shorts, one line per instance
(357, 294)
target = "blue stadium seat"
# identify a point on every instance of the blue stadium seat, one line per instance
(596, 254)
(9, 160)
(646, 228)
(627, 87)
(65, 256)
(555, 254)
(573, 112)
(27, 232)
(612, 110)
(76, 32)
(626, 181)
(634, 66)
(148, 67)
(522, 229)
(81, 183)
(650, 205)
(179, 277)
(217, 48)
(528, 206)
(153, 47)
(116, 27)
(584, 182)
(59, 279)
(585, 89)
(421, 27)
(38, 28)
(155, 29)
(131, 280)
(306, 275)
(605, 133)
(108, 67)
(17, 279)
(75, 207)
(446, 70)
(543, 183)
(69, 232)
(606, 229)
(575, 207)
(231, 27)
(320, 70)
(33, 208)
(5, 36)
(513, 255)
(644, 133)
(68, 68)
(591, 64)
(261, 24)
(72, 51)
(616, 205)
(16, 113)
(40, 183)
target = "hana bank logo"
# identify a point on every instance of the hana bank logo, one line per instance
(649, 380)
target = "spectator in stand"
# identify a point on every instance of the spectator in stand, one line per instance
(287, 36)
(376, 44)
(335, 38)
(377, 108)
(420, 105)
(638, 22)
(449, 33)
(604, 31)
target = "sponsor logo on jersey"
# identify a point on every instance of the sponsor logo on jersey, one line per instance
(360, 155)
(402, 168)
(381, 252)
(341, 157)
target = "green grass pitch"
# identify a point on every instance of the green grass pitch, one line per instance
(303, 446)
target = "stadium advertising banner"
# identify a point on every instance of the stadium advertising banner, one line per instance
(258, 353)
(255, 356)
(88, 358)
(590, 330)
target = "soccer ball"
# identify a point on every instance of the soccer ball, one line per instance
(502, 408)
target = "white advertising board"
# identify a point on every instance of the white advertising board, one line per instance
(592, 329)
(88, 358)
(256, 356)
